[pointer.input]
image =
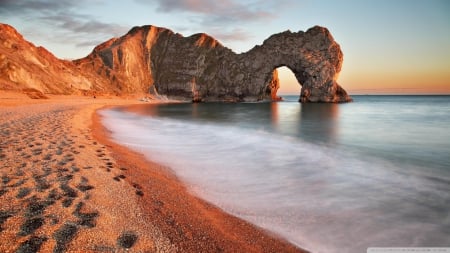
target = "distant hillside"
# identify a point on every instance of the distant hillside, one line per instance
(24, 66)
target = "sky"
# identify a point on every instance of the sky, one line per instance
(389, 46)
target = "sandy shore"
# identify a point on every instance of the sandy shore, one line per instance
(66, 187)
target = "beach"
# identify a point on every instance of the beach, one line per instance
(67, 187)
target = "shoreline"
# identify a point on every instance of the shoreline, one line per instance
(195, 225)
(66, 185)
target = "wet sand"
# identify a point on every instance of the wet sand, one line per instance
(66, 187)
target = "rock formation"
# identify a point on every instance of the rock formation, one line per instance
(196, 68)
(23, 66)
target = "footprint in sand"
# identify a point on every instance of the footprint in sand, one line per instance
(127, 239)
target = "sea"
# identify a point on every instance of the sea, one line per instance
(326, 177)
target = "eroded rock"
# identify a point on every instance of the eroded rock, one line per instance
(196, 68)
(199, 68)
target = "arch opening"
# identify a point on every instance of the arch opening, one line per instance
(287, 82)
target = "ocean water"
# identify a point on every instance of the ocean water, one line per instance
(327, 177)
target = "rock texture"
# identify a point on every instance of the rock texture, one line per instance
(197, 67)
(23, 66)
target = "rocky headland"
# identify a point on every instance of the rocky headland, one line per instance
(198, 68)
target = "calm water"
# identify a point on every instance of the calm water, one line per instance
(328, 177)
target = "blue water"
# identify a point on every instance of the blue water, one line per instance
(327, 177)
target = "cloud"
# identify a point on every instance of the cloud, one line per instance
(83, 24)
(217, 11)
(38, 7)
(236, 34)
(225, 19)
(88, 43)
(64, 22)
(63, 17)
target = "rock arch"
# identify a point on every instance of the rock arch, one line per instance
(199, 68)
(314, 58)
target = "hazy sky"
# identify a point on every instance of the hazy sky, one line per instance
(390, 46)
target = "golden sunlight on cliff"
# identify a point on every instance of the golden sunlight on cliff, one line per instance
(204, 39)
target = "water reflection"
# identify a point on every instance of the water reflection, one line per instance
(195, 113)
(315, 122)
(319, 122)
(274, 117)
(285, 117)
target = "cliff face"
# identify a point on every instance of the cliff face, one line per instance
(148, 56)
(23, 65)
(193, 68)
